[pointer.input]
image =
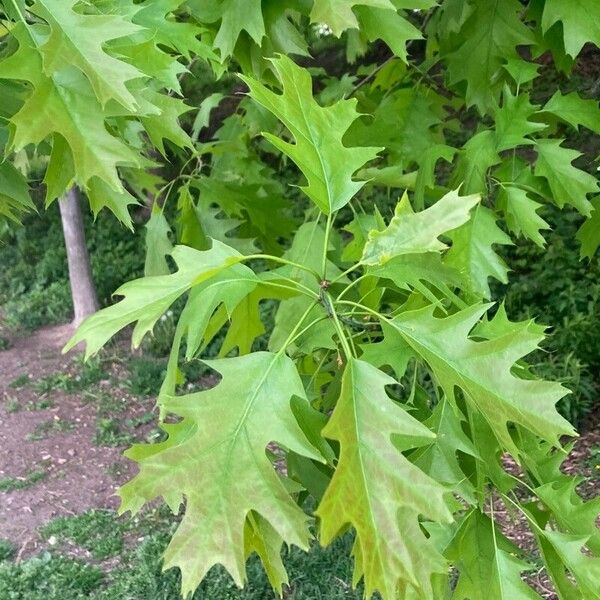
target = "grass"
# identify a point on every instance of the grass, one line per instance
(20, 381)
(45, 429)
(96, 530)
(145, 376)
(133, 549)
(9, 484)
(12, 405)
(7, 549)
(49, 577)
(109, 433)
(86, 375)
(593, 462)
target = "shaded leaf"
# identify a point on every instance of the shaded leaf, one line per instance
(568, 184)
(472, 253)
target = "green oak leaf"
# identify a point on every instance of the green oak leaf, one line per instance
(158, 244)
(218, 227)
(439, 459)
(359, 227)
(386, 24)
(489, 37)
(568, 184)
(580, 21)
(282, 24)
(427, 169)
(573, 515)
(327, 164)
(338, 14)
(483, 371)
(64, 103)
(261, 538)
(512, 121)
(101, 195)
(585, 569)
(235, 16)
(238, 16)
(520, 212)
(392, 351)
(165, 125)
(246, 323)
(80, 39)
(60, 172)
(589, 233)
(153, 62)
(14, 192)
(412, 271)
(477, 156)
(146, 299)
(575, 110)
(216, 459)
(404, 123)
(487, 562)
(165, 29)
(202, 119)
(378, 491)
(472, 253)
(520, 70)
(221, 293)
(412, 232)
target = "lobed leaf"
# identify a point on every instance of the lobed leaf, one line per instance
(378, 491)
(319, 152)
(415, 233)
(215, 459)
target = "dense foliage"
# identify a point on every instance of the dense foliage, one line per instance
(390, 389)
(34, 280)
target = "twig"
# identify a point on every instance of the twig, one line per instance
(22, 549)
(387, 60)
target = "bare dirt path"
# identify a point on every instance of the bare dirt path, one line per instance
(63, 473)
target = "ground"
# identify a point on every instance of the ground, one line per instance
(74, 473)
(63, 437)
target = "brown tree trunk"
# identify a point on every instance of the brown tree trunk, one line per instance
(83, 292)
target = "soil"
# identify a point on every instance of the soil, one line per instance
(79, 474)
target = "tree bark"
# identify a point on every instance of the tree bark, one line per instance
(83, 292)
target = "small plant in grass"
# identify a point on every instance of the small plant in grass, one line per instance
(43, 403)
(5, 343)
(51, 383)
(10, 484)
(116, 470)
(106, 403)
